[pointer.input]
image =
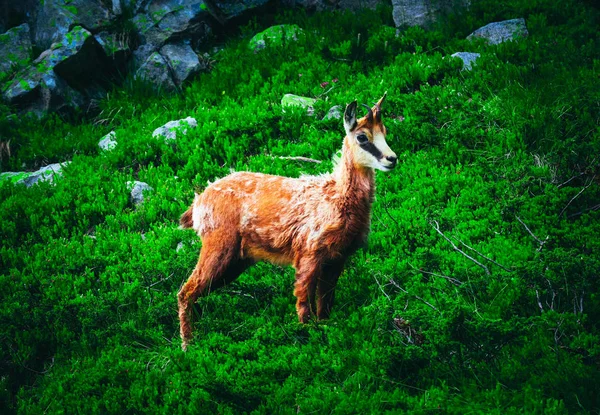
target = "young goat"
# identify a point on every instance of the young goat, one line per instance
(313, 223)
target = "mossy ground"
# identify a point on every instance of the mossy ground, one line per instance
(502, 160)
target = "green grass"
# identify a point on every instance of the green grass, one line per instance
(504, 159)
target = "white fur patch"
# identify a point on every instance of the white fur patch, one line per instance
(203, 218)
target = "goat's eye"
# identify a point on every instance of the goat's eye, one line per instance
(362, 138)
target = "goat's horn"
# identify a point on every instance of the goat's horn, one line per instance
(370, 114)
(378, 105)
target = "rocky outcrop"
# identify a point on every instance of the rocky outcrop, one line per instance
(424, 13)
(15, 48)
(498, 32)
(86, 41)
(467, 57)
(169, 130)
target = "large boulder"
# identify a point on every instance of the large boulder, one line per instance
(498, 32)
(38, 92)
(423, 13)
(15, 48)
(170, 20)
(56, 17)
(78, 58)
(182, 60)
(155, 70)
(58, 73)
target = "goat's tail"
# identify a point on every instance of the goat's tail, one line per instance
(186, 221)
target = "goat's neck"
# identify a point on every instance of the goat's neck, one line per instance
(355, 184)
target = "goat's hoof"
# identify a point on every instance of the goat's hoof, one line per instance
(184, 345)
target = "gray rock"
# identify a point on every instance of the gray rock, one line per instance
(54, 18)
(182, 60)
(15, 48)
(423, 13)
(156, 71)
(38, 91)
(228, 9)
(275, 35)
(45, 174)
(467, 57)
(291, 100)
(498, 32)
(58, 74)
(108, 142)
(137, 191)
(334, 112)
(170, 129)
(165, 20)
(114, 46)
(320, 5)
(78, 58)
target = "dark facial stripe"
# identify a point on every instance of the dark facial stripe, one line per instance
(372, 149)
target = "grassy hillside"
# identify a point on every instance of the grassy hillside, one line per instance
(478, 292)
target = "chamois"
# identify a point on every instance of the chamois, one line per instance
(313, 222)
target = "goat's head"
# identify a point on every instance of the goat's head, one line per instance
(366, 138)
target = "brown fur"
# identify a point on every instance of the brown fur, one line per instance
(186, 219)
(312, 223)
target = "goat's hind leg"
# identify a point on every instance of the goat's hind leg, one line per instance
(218, 265)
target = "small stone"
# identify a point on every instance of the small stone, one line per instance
(45, 174)
(170, 129)
(291, 100)
(137, 191)
(467, 57)
(276, 35)
(498, 32)
(108, 141)
(334, 112)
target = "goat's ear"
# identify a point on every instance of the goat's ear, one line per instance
(350, 117)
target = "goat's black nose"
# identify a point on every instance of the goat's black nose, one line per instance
(392, 159)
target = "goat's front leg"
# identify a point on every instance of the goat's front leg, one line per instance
(326, 288)
(308, 271)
